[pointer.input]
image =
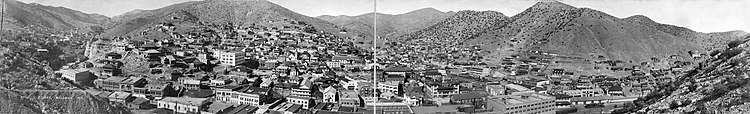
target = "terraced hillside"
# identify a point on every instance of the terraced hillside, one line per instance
(54, 102)
(718, 85)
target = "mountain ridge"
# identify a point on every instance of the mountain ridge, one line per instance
(552, 26)
(388, 24)
(217, 12)
(25, 16)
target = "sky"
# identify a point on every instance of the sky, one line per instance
(698, 15)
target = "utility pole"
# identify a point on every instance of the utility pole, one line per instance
(2, 17)
(374, 55)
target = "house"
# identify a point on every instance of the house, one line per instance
(183, 104)
(112, 56)
(120, 97)
(140, 103)
(190, 83)
(330, 94)
(615, 91)
(80, 76)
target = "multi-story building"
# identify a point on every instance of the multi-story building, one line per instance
(495, 89)
(591, 92)
(304, 90)
(391, 86)
(80, 76)
(231, 58)
(306, 102)
(350, 98)
(244, 95)
(438, 90)
(329, 95)
(529, 103)
(120, 83)
(183, 104)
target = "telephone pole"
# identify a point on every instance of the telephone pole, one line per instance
(2, 17)
(374, 55)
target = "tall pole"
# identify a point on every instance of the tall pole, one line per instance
(374, 55)
(2, 17)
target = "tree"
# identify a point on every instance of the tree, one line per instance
(257, 82)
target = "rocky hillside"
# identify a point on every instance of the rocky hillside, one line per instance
(718, 85)
(389, 25)
(54, 102)
(552, 26)
(459, 27)
(22, 16)
(234, 12)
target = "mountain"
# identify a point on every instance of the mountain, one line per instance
(19, 15)
(259, 12)
(555, 27)
(459, 26)
(720, 84)
(54, 102)
(389, 25)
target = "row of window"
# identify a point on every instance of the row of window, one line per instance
(537, 112)
(531, 105)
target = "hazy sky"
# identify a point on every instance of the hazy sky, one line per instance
(699, 15)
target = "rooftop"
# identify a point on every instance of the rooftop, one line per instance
(185, 100)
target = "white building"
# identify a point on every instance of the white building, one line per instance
(391, 86)
(306, 102)
(182, 104)
(329, 94)
(528, 103)
(231, 58)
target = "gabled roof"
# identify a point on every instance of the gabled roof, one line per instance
(330, 89)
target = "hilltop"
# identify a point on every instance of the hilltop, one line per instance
(388, 24)
(555, 27)
(232, 12)
(25, 16)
